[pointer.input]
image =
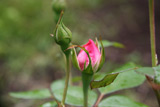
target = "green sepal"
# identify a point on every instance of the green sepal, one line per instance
(89, 69)
(74, 59)
(68, 32)
(62, 35)
(84, 64)
(102, 57)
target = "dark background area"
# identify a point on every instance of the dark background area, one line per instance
(30, 59)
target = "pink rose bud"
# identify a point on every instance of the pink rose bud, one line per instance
(94, 54)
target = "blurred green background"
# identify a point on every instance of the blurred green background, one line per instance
(30, 59)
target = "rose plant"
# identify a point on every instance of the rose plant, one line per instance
(89, 61)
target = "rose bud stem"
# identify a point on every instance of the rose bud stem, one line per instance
(68, 67)
(63, 37)
(86, 79)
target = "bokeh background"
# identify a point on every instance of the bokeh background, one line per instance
(30, 59)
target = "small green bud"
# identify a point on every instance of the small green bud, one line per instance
(58, 6)
(62, 35)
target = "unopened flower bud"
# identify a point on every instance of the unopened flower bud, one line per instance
(62, 36)
(94, 53)
(90, 59)
(58, 5)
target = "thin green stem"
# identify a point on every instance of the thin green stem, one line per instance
(68, 67)
(86, 79)
(153, 41)
(152, 31)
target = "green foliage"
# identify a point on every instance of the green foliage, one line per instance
(119, 101)
(74, 94)
(108, 79)
(127, 79)
(153, 72)
(58, 84)
(146, 71)
(107, 43)
(34, 94)
(49, 104)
